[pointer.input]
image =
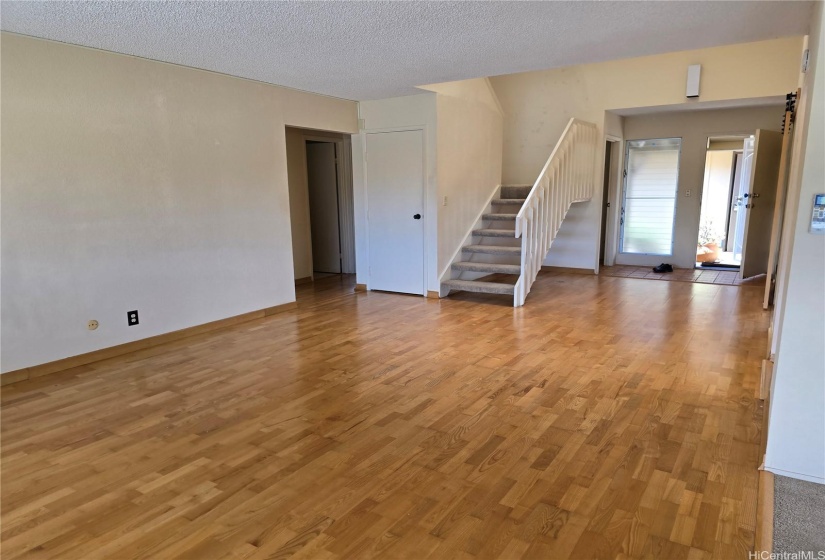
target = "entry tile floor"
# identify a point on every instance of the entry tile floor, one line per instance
(726, 277)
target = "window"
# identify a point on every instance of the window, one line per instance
(650, 190)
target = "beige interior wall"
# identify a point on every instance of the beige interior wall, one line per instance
(725, 145)
(694, 128)
(538, 105)
(469, 132)
(796, 427)
(133, 184)
(613, 125)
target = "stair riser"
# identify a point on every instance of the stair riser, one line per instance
(506, 209)
(495, 242)
(505, 234)
(470, 275)
(503, 220)
(515, 192)
(492, 259)
(485, 291)
(479, 287)
(494, 250)
(489, 269)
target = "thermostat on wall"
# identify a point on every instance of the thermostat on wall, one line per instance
(818, 214)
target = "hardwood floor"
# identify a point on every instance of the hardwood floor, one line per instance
(608, 418)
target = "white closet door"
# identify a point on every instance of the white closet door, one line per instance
(395, 200)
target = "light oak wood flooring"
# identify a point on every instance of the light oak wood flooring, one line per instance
(608, 418)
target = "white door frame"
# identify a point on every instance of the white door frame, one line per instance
(424, 194)
(346, 200)
(611, 233)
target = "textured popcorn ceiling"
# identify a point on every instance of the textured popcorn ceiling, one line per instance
(370, 50)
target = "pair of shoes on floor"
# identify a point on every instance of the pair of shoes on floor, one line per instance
(664, 267)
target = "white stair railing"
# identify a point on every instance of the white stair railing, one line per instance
(566, 178)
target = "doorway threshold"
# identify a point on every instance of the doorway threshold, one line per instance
(718, 266)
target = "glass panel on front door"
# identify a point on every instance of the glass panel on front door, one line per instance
(650, 190)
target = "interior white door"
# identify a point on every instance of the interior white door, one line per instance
(395, 199)
(760, 201)
(741, 191)
(734, 208)
(322, 179)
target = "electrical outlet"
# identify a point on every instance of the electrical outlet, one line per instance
(445, 202)
(93, 325)
(687, 193)
(132, 317)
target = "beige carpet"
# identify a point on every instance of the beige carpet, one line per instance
(798, 516)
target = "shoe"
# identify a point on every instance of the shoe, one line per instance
(664, 267)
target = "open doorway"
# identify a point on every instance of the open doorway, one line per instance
(321, 204)
(608, 154)
(740, 238)
(721, 221)
(324, 207)
(610, 190)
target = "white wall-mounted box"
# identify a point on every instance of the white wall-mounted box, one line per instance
(693, 74)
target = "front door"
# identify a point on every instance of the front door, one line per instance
(742, 189)
(395, 200)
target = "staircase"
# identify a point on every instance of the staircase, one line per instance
(495, 248)
(516, 235)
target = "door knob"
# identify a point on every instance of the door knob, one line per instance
(417, 217)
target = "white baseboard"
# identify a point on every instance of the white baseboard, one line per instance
(799, 476)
